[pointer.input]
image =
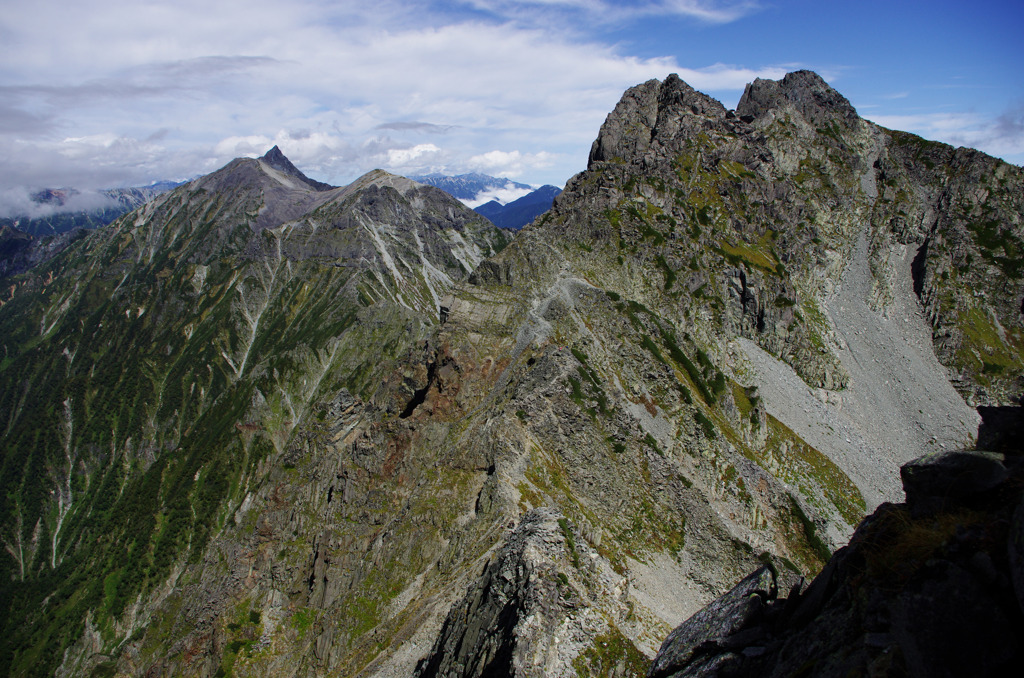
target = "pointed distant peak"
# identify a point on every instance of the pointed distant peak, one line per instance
(274, 156)
(805, 91)
(277, 160)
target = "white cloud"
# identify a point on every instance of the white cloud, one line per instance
(404, 157)
(502, 195)
(509, 163)
(18, 202)
(537, 11)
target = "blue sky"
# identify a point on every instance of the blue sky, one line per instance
(107, 93)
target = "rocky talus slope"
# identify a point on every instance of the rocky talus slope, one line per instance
(933, 586)
(713, 353)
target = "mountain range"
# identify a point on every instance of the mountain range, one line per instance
(64, 217)
(520, 212)
(469, 187)
(264, 426)
(509, 214)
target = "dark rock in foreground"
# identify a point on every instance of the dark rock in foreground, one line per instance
(925, 588)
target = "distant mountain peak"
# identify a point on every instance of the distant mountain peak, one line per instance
(522, 211)
(381, 179)
(277, 160)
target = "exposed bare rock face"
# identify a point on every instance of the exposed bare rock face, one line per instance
(367, 438)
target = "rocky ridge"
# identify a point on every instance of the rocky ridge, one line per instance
(708, 266)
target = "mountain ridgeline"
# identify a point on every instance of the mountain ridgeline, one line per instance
(469, 186)
(263, 426)
(513, 215)
(154, 369)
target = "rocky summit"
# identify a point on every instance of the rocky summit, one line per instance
(263, 426)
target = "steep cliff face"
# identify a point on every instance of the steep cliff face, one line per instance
(713, 352)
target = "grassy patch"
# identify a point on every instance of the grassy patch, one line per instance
(653, 444)
(570, 541)
(611, 654)
(983, 349)
(810, 471)
(692, 371)
(705, 424)
(810, 530)
(670, 275)
(647, 343)
(752, 257)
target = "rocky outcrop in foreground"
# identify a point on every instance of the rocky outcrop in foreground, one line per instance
(480, 635)
(930, 587)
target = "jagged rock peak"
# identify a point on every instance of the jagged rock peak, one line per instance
(649, 110)
(277, 160)
(506, 623)
(806, 91)
(675, 92)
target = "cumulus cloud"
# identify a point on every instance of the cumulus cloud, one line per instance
(509, 163)
(413, 156)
